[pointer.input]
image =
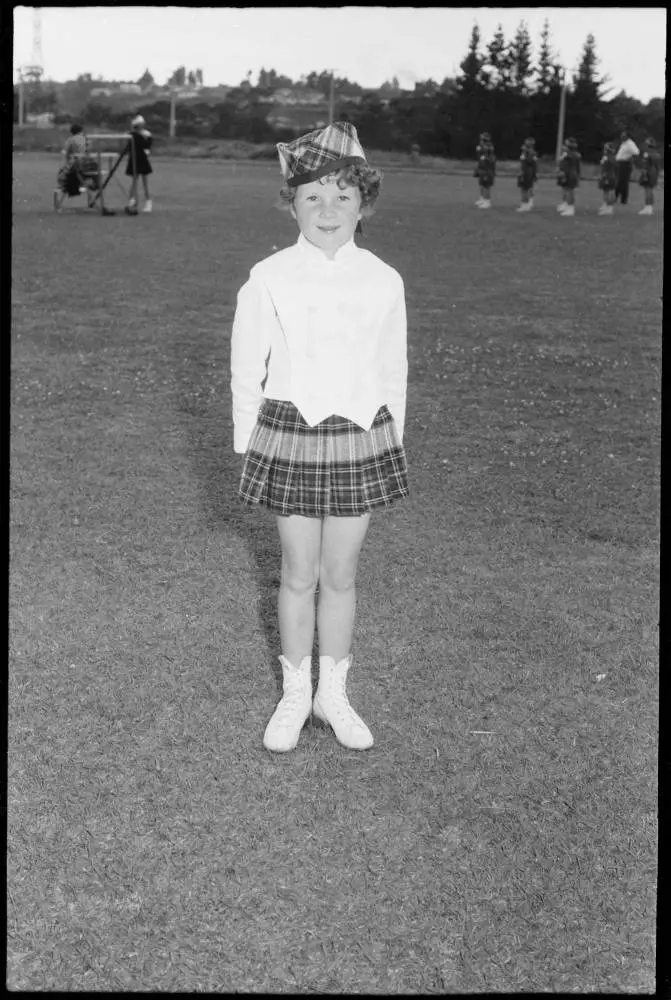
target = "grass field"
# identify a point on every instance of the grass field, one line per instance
(501, 835)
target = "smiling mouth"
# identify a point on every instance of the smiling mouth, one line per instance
(328, 229)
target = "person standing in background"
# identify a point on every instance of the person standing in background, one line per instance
(568, 176)
(650, 162)
(528, 175)
(627, 151)
(607, 178)
(485, 169)
(141, 138)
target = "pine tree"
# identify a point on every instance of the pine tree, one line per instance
(499, 61)
(520, 59)
(585, 81)
(470, 81)
(469, 111)
(586, 114)
(146, 80)
(544, 69)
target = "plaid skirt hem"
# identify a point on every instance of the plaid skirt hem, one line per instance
(333, 469)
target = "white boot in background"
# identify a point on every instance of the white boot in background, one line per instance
(569, 210)
(332, 706)
(147, 205)
(647, 210)
(293, 709)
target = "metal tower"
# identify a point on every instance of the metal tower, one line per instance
(35, 70)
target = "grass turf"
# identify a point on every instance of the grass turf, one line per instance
(500, 836)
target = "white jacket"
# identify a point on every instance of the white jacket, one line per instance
(329, 336)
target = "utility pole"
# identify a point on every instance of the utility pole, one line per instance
(562, 116)
(331, 99)
(21, 100)
(173, 116)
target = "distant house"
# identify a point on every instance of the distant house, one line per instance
(43, 120)
(130, 88)
(297, 118)
(102, 91)
(295, 95)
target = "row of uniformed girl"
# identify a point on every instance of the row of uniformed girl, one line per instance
(648, 176)
(485, 171)
(568, 174)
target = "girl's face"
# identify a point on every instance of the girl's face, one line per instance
(326, 213)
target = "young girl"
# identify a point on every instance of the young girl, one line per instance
(319, 374)
(568, 176)
(485, 169)
(141, 139)
(649, 176)
(608, 178)
(528, 175)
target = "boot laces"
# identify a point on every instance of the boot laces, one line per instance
(291, 701)
(342, 705)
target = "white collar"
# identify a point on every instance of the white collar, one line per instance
(343, 254)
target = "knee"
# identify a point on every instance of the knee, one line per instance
(336, 578)
(300, 580)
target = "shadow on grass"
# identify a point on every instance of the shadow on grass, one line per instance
(217, 468)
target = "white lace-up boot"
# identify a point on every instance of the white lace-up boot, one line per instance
(288, 719)
(332, 707)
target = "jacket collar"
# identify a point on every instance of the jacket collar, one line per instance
(344, 253)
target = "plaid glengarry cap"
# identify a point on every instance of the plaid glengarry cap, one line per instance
(318, 153)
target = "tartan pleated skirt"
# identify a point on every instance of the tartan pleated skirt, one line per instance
(334, 468)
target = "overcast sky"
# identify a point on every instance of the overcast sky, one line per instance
(366, 44)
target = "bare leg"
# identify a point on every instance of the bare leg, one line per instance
(342, 538)
(145, 185)
(300, 538)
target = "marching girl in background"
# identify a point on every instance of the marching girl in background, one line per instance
(650, 161)
(528, 175)
(485, 169)
(560, 177)
(141, 138)
(318, 379)
(608, 178)
(568, 176)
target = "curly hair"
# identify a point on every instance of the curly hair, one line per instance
(360, 175)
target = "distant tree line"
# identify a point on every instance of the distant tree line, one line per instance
(499, 89)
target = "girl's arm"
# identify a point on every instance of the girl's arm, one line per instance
(250, 346)
(395, 359)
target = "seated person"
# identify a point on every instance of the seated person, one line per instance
(79, 167)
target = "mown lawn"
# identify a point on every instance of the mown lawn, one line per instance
(501, 835)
